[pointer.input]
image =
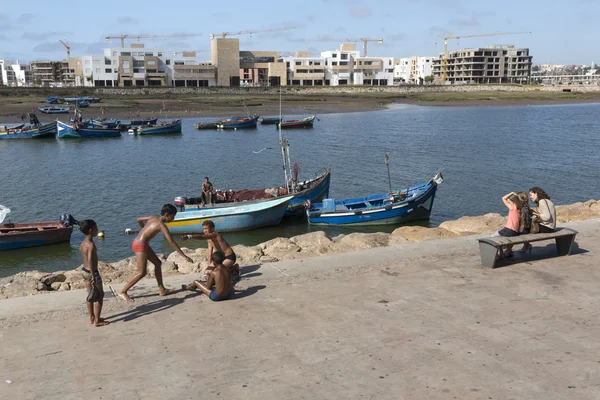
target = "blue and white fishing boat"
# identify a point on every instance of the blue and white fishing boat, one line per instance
(54, 110)
(166, 128)
(239, 123)
(394, 207)
(82, 104)
(103, 123)
(30, 132)
(78, 131)
(79, 99)
(231, 217)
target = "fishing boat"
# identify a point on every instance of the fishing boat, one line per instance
(239, 123)
(231, 217)
(166, 128)
(54, 110)
(394, 207)
(77, 130)
(206, 125)
(6, 127)
(104, 123)
(79, 99)
(53, 100)
(270, 120)
(298, 123)
(138, 122)
(34, 130)
(18, 236)
(82, 104)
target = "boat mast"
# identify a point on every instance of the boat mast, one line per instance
(285, 155)
(387, 163)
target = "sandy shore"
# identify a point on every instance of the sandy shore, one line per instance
(412, 321)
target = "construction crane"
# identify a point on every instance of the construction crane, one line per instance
(351, 40)
(68, 49)
(225, 34)
(129, 36)
(445, 64)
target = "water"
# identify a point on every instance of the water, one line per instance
(484, 152)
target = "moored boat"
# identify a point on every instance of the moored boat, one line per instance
(166, 128)
(298, 123)
(18, 236)
(206, 125)
(82, 104)
(270, 120)
(138, 122)
(54, 110)
(30, 132)
(239, 123)
(230, 217)
(81, 132)
(397, 207)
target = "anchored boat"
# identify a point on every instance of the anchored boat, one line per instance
(54, 110)
(78, 131)
(164, 129)
(298, 123)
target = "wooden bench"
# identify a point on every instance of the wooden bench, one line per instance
(490, 247)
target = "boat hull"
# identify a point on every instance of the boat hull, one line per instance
(18, 236)
(66, 131)
(392, 214)
(270, 121)
(232, 217)
(44, 131)
(241, 124)
(317, 193)
(54, 110)
(169, 129)
(206, 125)
(302, 123)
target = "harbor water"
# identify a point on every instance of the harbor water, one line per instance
(484, 152)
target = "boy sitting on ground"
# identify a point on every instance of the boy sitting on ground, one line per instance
(219, 286)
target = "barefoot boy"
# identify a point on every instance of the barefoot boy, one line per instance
(219, 285)
(90, 270)
(151, 226)
(216, 242)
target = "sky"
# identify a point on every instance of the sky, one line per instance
(561, 33)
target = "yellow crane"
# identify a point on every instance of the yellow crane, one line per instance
(131, 36)
(68, 49)
(445, 63)
(250, 32)
(351, 40)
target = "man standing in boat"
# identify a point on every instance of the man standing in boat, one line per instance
(207, 189)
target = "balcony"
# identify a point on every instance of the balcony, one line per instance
(309, 75)
(342, 67)
(313, 67)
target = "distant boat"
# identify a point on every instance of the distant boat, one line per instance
(270, 120)
(79, 131)
(138, 122)
(239, 123)
(79, 99)
(54, 110)
(30, 132)
(53, 100)
(410, 204)
(82, 104)
(298, 123)
(173, 127)
(206, 125)
(18, 236)
(103, 123)
(230, 217)
(6, 127)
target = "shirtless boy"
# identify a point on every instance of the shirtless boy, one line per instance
(219, 285)
(216, 242)
(151, 226)
(90, 272)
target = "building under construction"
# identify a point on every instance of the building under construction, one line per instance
(52, 73)
(494, 64)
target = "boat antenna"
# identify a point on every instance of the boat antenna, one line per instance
(387, 164)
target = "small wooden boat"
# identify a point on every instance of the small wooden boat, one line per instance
(206, 125)
(104, 123)
(138, 122)
(397, 207)
(231, 217)
(80, 99)
(239, 123)
(270, 120)
(298, 123)
(166, 128)
(82, 104)
(30, 132)
(18, 236)
(80, 132)
(54, 110)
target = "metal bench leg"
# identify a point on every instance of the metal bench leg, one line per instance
(563, 244)
(488, 254)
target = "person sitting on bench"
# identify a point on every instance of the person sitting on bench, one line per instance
(546, 210)
(207, 189)
(512, 202)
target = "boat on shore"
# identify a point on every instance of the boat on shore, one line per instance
(239, 123)
(78, 131)
(54, 110)
(167, 128)
(270, 120)
(394, 207)
(82, 104)
(298, 123)
(231, 217)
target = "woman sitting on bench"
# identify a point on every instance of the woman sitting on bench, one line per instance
(546, 210)
(512, 202)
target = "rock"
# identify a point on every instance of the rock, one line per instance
(36, 274)
(167, 268)
(279, 248)
(55, 285)
(117, 272)
(41, 286)
(417, 234)
(397, 239)
(361, 241)
(64, 286)
(577, 211)
(487, 223)
(247, 255)
(20, 285)
(182, 265)
(268, 259)
(53, 278)
(316, 243)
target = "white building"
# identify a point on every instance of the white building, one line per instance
(339, 65)
(420, 68)
(374, 71)
(15, 74)
(304, 70)
(402, 71)
(139, 66)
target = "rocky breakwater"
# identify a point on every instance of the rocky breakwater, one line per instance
(303, 246)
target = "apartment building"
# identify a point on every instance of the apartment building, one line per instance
(52, 73)
(402, 71)
(15, 74)
(494, 64)
(339, 65)
(304, 70)
(373, 71)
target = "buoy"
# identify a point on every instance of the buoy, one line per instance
(101, 234)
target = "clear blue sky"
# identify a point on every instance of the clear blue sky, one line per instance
(562, 32)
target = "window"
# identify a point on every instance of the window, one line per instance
(108, 70)
(287, 64)
(160, 54)
(344, 56)
(334, 55)
(168, 62)
(298, 62)
(334, 63)
(106, 61)
(151, 62)
(148, 54)
(126, 54)
(114, 53)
